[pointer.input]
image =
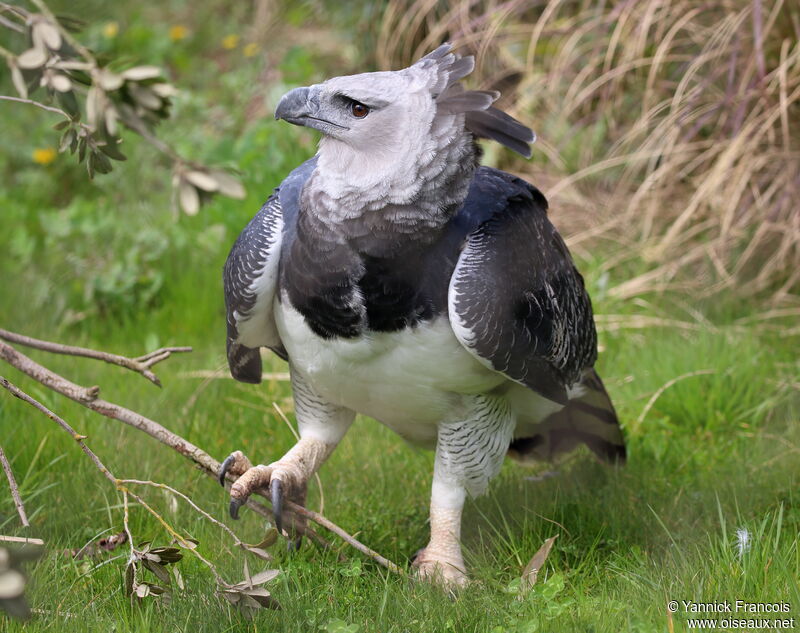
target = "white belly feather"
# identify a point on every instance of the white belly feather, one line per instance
(409, 380)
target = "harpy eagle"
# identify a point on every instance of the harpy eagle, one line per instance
(403, 281)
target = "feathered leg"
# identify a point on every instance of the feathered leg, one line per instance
(469, 452)
(321, 425)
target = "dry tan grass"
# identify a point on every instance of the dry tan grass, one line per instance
(669, 126)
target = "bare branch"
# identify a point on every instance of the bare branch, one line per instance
(237, 541)
(21, 539)
(155, 430)
(140, 365)
(42, 106)
(329, 525)
(17, 392)
(14, 488)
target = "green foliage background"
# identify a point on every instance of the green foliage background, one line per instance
(108, 264)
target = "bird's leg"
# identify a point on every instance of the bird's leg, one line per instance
(321, 425)
(469, 452)
(286, 478)
(441, 560)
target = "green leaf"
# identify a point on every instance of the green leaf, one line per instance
(111, 149)
(67, 140)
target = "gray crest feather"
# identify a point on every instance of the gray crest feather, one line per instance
(481, 119)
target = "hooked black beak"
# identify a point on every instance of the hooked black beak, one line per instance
(294, 106)
(301, 106)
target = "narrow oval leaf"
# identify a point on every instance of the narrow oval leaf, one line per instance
(32, 58)
(261, 553)
(164, 90)
(49, 34)
(141, 73)
(111, 149)
(91, 106)
(202, 180)
(228, 185)
(111, 122)
(531, 571)
(67, 140)
(109, 80)
(61, 83)
(101, 163)
(145, 97)
(189, 198)
(19, 81)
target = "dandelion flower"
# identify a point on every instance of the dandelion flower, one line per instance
(250, 50)
(44, 156)
(178, 32)
(110, 29)
(229, 42)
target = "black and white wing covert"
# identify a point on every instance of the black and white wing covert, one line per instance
(516, 301)
(251, 279)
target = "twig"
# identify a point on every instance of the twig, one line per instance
(237, 541)
(22, 539)
(14, 488)
(329, 525)
(140, 365)
(37, 104)
(17, 392)
(203, 460)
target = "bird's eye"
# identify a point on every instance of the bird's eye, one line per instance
(359, 110)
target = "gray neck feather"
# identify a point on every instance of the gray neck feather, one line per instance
(408, 202)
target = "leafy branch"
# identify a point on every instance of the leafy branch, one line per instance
(96, 101)
(247, 593)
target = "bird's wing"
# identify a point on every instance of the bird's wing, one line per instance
(250, 279)
(516, 301)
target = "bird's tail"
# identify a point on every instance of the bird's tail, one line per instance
(588, 418)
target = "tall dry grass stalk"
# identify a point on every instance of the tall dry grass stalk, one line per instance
(669, 126)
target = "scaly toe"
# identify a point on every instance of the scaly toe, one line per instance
(449, 574)
(236, 464)
(253, 479)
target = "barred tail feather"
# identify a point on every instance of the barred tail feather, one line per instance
(586, 419)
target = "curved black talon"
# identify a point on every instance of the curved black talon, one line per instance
(224, 469)
(276, 494)
(234, 509)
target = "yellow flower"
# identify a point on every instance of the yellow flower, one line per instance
(44, 156)
(229, 42)
(250, 49)
(178, 32)
(110, 29)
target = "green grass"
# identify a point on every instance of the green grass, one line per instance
(715, 452)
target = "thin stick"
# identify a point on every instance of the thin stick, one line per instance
(17, 392)
(329, 525)
(141, 365)
(22, 539)
(237, 541)
(203, 460)
(14, 488)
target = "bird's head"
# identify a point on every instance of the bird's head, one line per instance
(390, 125)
